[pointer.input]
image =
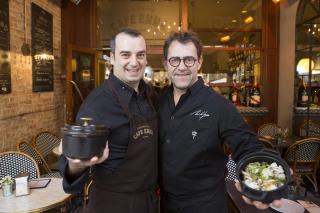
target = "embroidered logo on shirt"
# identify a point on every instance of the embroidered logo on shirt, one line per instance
(200, 113)
(194, 134)
(144, 131)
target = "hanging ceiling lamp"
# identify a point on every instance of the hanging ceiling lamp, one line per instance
(303, 66)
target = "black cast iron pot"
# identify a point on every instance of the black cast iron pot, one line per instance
(84, 141)
(268, 156)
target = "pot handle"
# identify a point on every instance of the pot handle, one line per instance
(86, 120)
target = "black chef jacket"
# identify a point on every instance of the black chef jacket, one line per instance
(192, 135)
(103, 107)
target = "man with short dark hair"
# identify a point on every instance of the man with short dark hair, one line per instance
(124, 179)
(195, 123)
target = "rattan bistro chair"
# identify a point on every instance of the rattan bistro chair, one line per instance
(29, 150)
(86, 192)
(313, 130)
(13, 163)
(44, 143)
(303, 157)
(42, 164)
(268, 130)
(231, 170)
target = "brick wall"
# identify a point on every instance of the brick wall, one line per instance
(24, 113)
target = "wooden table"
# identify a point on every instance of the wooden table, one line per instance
(38, 200)
(236, 204)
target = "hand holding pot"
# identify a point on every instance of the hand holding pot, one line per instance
(77, 166)
(257, 204)
(259, 195)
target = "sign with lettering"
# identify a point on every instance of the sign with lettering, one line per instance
(5, 72)
(155, 20)
(4, 25)
(42, 49)
(5, 69)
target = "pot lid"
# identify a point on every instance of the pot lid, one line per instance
(85, 129)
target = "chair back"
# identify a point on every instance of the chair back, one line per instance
(44, 143)
(13, 163)
(28, 149)
(303, 157)
(313, 130)
(305, 150)
(268, 129)
(86, 192)
(267, 143)
(231, 169)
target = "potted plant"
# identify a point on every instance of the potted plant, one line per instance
(7, 183)
(281, 135)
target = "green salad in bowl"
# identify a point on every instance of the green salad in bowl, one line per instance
(264, 176)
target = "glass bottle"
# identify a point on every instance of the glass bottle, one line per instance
(302, 95)
(234, 94)
(255, 96)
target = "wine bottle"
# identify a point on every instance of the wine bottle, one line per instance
(317, 96)
(234, 94)
(255, 95)
(302, 95)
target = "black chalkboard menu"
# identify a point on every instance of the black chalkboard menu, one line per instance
(4, 25)
(41, 36)
(5, 70)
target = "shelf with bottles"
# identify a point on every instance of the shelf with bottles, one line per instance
(307, 91)
(308, 100)
(313, 110)
(252, 111)
(236, 57)
(241, 94)
(315, 78)
(242, 65)
(229, 84)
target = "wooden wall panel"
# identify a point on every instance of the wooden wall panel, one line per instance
(78, 29)
(270, 55)
(78, 25)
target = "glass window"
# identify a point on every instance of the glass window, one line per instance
(154, 19)
(225, 66)
(226, 22)
(307, 72)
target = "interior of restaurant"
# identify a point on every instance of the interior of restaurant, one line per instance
(261, 55)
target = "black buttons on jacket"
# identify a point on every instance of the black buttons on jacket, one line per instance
(168, 140)
(172, 117)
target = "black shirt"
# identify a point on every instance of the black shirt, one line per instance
(192, 135)
(103, 107)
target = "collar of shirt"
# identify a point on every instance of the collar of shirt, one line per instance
(125, 92)
(193, 90)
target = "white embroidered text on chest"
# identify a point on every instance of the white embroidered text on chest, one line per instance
(200, 113)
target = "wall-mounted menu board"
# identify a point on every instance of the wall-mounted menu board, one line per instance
(4, 25)
(5, 70)
(41, 35)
